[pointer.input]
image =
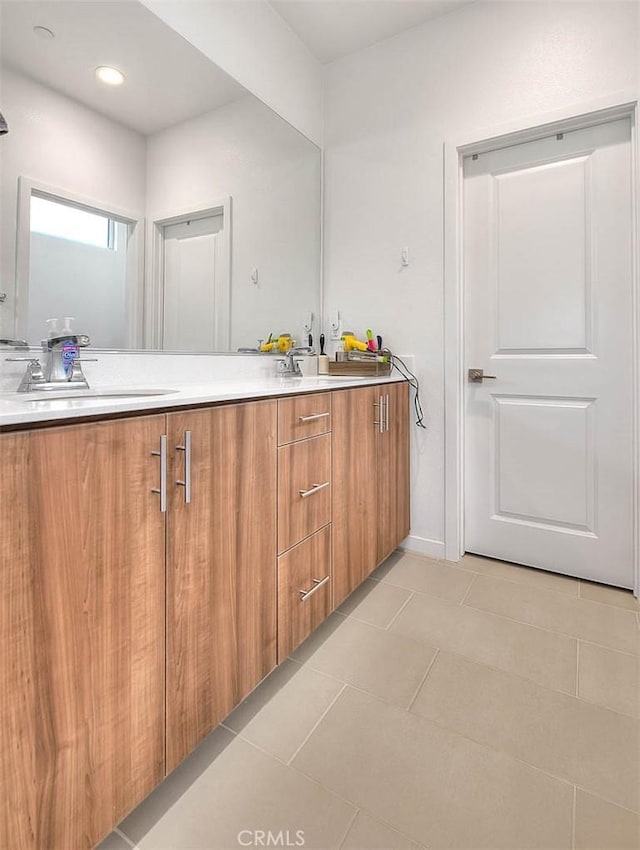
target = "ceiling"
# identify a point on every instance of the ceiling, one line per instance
(167, 79)
(333, 28)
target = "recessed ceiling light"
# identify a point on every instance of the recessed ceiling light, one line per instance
(110, 76)
(44, 32)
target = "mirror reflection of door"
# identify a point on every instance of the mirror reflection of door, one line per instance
(191, 280)
(78, 267)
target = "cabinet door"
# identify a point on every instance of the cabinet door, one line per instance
(354, 517)
(393, 470)
(82, 601)
(304, 590)
(303, 416)
(221, 562)
(304, 489)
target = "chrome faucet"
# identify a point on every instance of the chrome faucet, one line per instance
(63, 362)
(62, 365)
(290, 367)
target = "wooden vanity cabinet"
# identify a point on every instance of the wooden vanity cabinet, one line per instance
(370, 472)
(221, 569)
(82, 604)
(134, 618)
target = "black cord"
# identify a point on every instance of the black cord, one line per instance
(411, 379)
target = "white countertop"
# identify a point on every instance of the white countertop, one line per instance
(27, 408)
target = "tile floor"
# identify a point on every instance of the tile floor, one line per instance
(480, 705)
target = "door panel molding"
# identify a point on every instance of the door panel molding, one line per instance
(582, 115)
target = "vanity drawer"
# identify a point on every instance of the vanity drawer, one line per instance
(303, 416)
(304, 489)
(304, 590)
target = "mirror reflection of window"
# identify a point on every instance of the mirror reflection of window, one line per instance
(78, 266)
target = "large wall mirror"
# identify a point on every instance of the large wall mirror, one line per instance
(172, 211)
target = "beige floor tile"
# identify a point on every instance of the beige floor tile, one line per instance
(609, 678)
(609, 595)
(368, 834)
(544, 657)
(580, 618)
(426, 575)
(113, 842)
(241, 789)
(603, 826)
(438, 788)
(519, 574)
(585, 744)
(282, 711)
(383, 663)
(375, 603)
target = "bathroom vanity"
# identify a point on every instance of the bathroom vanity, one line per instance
(159, 559)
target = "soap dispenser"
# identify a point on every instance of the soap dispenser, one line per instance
(53, 328)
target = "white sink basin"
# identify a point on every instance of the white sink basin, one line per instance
(80, 395)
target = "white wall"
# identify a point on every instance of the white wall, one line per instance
(252, 43)
(388, 111)
(57, 141)
(272, 174)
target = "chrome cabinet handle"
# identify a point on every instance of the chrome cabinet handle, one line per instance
(162, 490)
(313, 416)
(380, 421)
(386, 416)
(317, 584)
(315, 488)
(186, 448)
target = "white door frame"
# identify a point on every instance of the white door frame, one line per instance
(579, 116)
(154, 299)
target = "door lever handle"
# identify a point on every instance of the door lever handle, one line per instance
(477, 376)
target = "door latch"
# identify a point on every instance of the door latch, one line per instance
(477, 376)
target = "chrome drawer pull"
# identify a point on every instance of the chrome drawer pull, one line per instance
(313, 416)
(317, 584)
(381, 421)
(314, 489)
(186, 448)
(162, 490)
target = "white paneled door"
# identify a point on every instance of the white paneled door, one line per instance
(191, 282)
(548, 312)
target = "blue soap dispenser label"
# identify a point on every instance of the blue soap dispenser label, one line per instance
(69, 354)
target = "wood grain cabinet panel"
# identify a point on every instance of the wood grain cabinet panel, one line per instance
(393, 471)
(304, 590)
(303, 416)
(221, 566)
(354, 514)
(304, 489)
(82, 707)
(370, 469)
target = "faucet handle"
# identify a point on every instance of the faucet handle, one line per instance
(22, 360)
(15, 343)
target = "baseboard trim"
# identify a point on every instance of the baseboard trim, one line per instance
(423, 546)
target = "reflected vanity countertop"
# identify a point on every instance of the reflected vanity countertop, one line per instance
(26, 408)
